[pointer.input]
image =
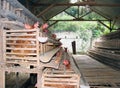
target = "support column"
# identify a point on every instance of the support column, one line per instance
(39, 78)
(1, 42)
(2, 79)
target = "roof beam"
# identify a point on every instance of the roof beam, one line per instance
(52, 24)
(57, 13)
(44, 11)
(105, 25)
(101, 14)
(70, 14)
(85, 14)
(76, 20)
(78, 4)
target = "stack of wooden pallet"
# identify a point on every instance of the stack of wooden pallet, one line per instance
(108, 48)
(63, 77)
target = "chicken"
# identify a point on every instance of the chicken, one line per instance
(54, 36)
(28, 26)
(25, 43)
(44, 26)
(66, 62)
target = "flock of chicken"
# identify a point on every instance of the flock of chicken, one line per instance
(44, 27)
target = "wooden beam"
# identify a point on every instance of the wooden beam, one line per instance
(76, 20)
(99, 13)
(52, 24)
(79, 4)
(104, 25)
(57, 13)
(114, 23)
(0, 42)
(44, 11)
(85, 14)
(70, 14)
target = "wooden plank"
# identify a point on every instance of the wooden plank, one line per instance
(95, 77)
(64, 83)
(46, 57)
(22, 53)
(7, 6)
(21, 48)
(61, 75)
(107, 54)
(32, 39)
(23, 30)
(39, 78)
(20, 34)
(2, 79)
(1, 42)
(22, 58)
(15, 44)
(108, 44)
(37, 47)
(4, 46)
(70, 80)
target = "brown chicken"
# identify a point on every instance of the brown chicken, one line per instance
(28, 26)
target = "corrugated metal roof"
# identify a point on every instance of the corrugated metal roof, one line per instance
(44, 7)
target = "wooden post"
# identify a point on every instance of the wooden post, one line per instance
(39, 78)
(1, 42)
(74, 47)
(0, 7)
(2, 79)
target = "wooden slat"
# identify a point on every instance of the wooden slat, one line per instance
(20, 34)
(70, 80)
(63, 83)
(17, 57)
(106, 54)
(109, 44)
(12, 43)
(22, 31)
(21, 39)
(20, 53)
(21, 48)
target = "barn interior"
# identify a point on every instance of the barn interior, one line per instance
(32, 56)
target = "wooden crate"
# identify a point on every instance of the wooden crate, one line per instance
(60, 78)
(21, 47)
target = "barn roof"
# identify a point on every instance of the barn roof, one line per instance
(46, 9)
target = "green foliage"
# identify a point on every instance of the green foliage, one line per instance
(75, 26)
(86, 30)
